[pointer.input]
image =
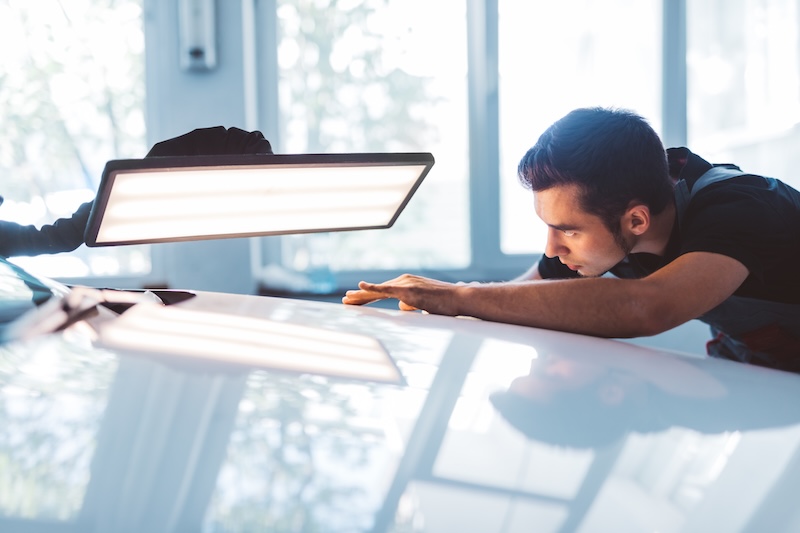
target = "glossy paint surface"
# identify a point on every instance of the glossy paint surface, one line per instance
(492, 428)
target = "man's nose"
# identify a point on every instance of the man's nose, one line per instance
(554, 246)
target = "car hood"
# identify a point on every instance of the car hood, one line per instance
(243, 413)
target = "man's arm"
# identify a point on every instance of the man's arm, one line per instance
(608, 307)
(64, 235)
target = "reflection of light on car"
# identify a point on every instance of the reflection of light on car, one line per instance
(249, 341)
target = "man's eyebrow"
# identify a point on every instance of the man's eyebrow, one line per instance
(563, 227)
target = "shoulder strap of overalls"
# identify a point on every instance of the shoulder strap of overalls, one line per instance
(713, 175)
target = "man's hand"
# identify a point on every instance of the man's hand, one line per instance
(217, 140)
(413, 292)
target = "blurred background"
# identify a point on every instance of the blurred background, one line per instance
(474, 82)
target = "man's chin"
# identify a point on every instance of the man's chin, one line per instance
(588, 273)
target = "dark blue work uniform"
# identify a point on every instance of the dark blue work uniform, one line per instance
(753, 219)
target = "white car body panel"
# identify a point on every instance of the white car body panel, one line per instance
(171, 442)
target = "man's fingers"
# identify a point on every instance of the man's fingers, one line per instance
(387, 291)
(359, 297)
(366, 293)
(371, 292)
(371, 287)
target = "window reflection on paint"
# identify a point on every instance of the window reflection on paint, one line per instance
(52, 397)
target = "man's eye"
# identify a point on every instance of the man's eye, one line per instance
(569, 233)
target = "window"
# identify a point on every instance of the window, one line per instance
(558, 56)
(380, 76)
(71, 98)
(376, 76)
(744, 85)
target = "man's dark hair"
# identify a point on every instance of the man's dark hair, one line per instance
(613, 155)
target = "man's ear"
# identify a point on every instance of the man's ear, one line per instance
(636, 219)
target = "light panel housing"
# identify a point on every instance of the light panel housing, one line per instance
(170, 199)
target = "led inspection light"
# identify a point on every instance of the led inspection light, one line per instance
(169, 199)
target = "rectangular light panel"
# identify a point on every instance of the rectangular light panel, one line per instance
(168, 199)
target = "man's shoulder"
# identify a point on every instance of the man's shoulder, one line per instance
(743, 189)
(689, 166)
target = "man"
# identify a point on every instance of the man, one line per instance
(722, 248)
(66, 234)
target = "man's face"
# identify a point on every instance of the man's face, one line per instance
(580, 240)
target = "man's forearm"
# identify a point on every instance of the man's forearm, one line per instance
(606, 307)
(65, 235)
